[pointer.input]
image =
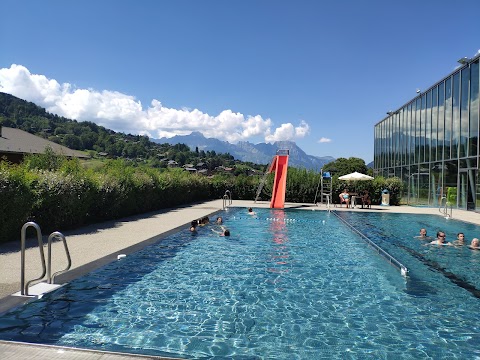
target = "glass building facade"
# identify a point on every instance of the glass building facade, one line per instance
(431, 143)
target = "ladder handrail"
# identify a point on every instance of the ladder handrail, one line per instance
(228, 193)
(318, 185)
(262, 183)
(444, 209)
(23, 285)
(50, 277)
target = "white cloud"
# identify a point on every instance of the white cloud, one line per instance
(288, 132)
(121, 112)
(324, 140)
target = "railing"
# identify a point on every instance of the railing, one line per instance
(23, 285)
(443, 208)
(227, 199)
(403, 269)
(45, 269)
(262, 183)
(327, 197)
(50, 277)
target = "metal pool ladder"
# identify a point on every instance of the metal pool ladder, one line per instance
(41, 288)
(227, 199)
(443, 209)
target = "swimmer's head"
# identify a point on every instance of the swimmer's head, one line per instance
(226, 232)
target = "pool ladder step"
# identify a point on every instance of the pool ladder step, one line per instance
(41, 288)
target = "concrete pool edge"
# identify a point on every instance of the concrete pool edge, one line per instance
(22, 350)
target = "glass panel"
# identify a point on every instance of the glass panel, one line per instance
(405, 180)
(441, 122)
(436, 187)
(428, 125)
(411, 135)
(434, 123)
(413, 185)
(466, 189)
(423, 185)
(455, 115)
(448, 119)
(423, 127)
(477, 197)
(451, 176)
(463, 146)
(419, 139)
(468, 163)
(404, 137)
(390, 141)
(474, 104)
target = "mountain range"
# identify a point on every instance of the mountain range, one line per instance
(261, 153)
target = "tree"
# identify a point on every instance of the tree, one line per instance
(343, 166)
(73, 142)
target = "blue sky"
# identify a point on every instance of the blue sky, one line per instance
(319, 73)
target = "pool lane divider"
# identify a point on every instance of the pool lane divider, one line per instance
(403, 269)
(278, 219)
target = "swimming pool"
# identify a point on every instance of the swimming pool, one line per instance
(286, 285)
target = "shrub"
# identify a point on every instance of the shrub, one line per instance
(16, 199)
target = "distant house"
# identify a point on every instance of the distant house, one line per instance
(190, 169)
(16, 143)
(202, 172)
(172, 163)
(223, 169)
(201, 165)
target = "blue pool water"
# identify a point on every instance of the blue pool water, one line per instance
(286, 285)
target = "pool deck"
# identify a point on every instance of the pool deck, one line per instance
(96, 245)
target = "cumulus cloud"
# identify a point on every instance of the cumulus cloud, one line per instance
(125, 113)
(324, 140)
(288, 132)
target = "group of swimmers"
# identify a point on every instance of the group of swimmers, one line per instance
(440, 240)
(220, 230)
(195, 224)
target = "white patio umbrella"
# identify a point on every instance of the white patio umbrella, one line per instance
(355, 176)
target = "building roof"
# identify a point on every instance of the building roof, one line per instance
(17, 141)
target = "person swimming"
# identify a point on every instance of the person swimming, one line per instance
(193, 226)
(460, 239)
(223, 232)
(475, 244)
(423, 235)
(440, 239)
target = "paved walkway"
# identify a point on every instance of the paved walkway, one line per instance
(96, 245)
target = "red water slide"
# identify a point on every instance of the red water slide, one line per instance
(279, 166)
